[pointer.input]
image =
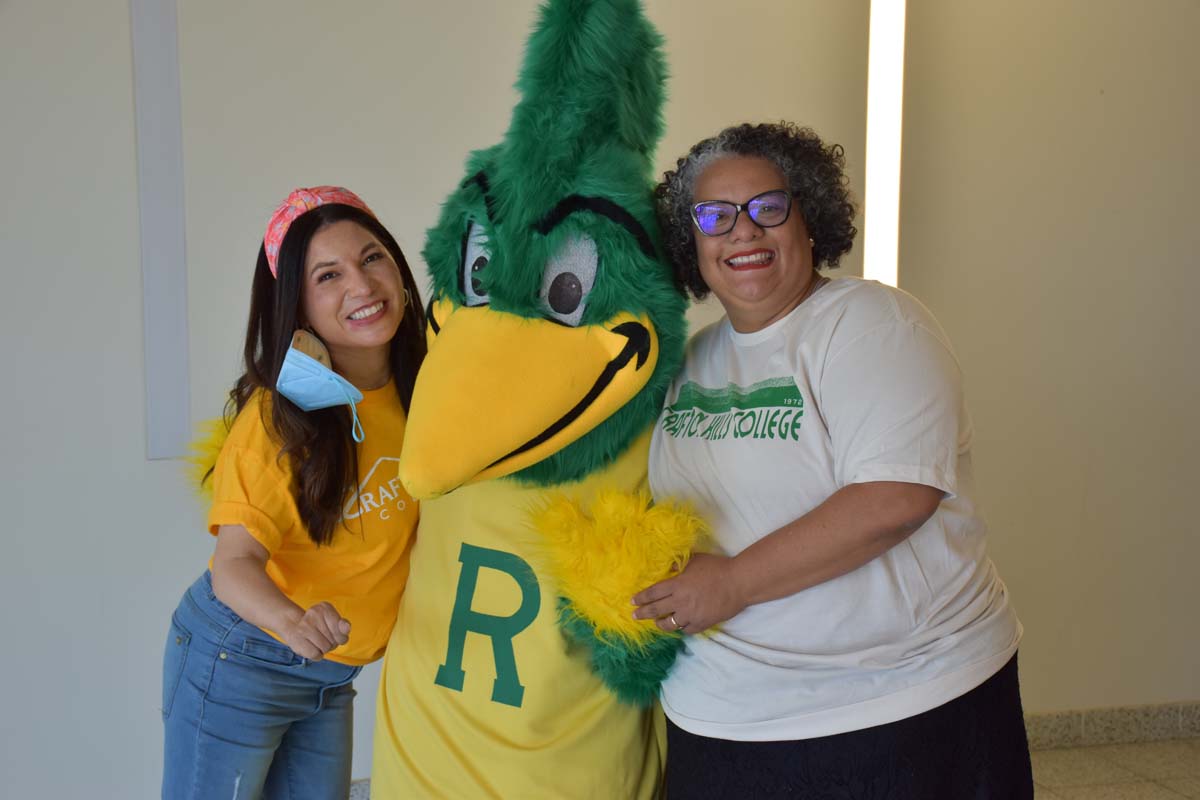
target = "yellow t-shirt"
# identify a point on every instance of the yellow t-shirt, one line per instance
(363, 570)
(481, 694)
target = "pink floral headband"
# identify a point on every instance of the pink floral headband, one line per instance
(300, 202)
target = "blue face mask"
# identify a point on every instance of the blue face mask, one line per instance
(311, 385)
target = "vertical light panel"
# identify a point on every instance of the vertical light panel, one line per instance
(885, 113)
(160, 211)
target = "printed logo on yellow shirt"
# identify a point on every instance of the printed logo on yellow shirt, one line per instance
(384, 498)
(501, 629)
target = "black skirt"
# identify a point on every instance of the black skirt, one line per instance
(972, 748)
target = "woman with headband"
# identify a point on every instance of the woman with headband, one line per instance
(313, 529)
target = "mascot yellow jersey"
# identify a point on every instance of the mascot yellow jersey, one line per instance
(482, 696)
(515, 669)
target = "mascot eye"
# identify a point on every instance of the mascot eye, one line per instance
(475, 260)
(566, 293)
(568, 279)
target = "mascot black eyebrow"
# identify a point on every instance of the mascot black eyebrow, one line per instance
(515, 668)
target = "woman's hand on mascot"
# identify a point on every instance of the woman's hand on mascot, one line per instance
(700, 596)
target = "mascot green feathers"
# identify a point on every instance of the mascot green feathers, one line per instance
(515, 668)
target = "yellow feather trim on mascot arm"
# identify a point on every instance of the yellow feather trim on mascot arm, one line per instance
(203, 453)
(598, 558)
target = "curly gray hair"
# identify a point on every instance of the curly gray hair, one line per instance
(815, 175)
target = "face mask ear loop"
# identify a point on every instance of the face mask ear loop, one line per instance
(356, 429)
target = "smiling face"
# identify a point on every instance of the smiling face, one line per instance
(353, 297)
(759, 274)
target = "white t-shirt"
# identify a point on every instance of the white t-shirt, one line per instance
(857, 384)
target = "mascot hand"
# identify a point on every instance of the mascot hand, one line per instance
(599, 558)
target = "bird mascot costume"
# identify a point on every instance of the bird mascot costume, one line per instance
(515, 669)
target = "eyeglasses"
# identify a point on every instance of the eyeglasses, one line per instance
(717, 217)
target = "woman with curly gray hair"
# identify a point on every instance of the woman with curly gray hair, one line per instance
(856, 639)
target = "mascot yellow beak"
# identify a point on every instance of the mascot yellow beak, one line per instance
(492, 380)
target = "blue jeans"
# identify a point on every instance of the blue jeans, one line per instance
(245, 716)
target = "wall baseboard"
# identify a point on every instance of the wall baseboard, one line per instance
(1118, 725)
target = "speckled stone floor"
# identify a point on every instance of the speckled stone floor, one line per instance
(1167, 770)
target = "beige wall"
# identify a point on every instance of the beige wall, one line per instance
(391, 101)
(1049, 220)
(97, 541)
(386, 97)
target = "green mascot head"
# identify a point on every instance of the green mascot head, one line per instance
(554, 326)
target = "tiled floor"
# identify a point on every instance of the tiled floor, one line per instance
(1154, 771)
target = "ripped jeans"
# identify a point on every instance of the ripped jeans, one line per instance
(245, 717)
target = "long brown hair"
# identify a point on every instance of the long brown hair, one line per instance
(319, 444)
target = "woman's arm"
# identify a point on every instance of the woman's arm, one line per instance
(240, 581)
(857, 524)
